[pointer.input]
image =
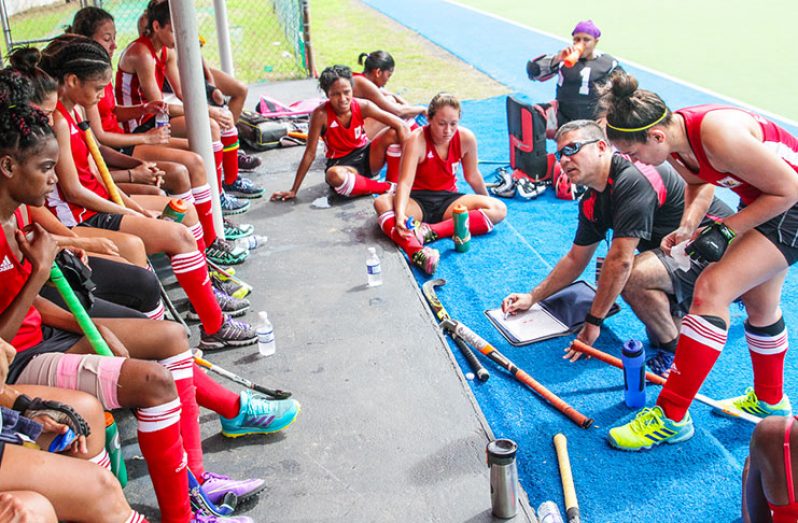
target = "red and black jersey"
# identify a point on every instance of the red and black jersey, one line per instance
(435, 173)
(577, 86)
(780, 142)
(106, 107)
(640, 201)
(14, 273)
(342, 140)
(128, 86)
(68, 213)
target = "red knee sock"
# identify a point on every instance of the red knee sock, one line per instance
(102, 459)
(162, 448)
(478, 223)
(197, 233)
(355, 185)
(203, 204)
(213, 396)
(182, 368)
(218, 160)
(768, 346)
(230, 155)
(393, 155)
(135, 517)
(700, 342)
(409, 244)
(192, 274)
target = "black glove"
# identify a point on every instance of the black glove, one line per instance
(711, 243)
(59, 412)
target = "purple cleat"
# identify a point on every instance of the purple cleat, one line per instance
(216, 486)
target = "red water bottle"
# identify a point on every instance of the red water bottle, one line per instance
(573, 57)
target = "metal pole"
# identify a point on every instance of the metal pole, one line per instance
(189, 63)
(310, 61)
(223, 36)
(6, 27)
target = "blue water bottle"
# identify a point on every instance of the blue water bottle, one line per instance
(634, 374)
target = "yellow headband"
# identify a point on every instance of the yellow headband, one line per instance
(649, 126)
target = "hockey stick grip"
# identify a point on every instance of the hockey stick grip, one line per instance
(567, 478)
(277, 394)
(113, 192)
(481, 372)
(79, 311)
(476, 341)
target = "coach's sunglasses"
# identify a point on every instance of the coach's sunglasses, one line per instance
(572, 148)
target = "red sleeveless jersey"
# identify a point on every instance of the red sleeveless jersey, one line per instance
(777, 140)
(68, 213)
(106, 107)
(128, 87)
(434, 173)
(341, 140)
(14, 275)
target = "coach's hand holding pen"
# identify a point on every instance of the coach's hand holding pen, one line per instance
(516, 302)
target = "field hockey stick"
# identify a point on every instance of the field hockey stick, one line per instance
(476, 341)
(79, 312)
(659, 380)
(442, 314)
(276, 394)
(567, 479)
(228, 274)
(113, 192)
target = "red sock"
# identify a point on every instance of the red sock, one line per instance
(699, 346)
(230, 155)
(410, 244)
(192, 274)
(162, 448)
(135, 517)
(768, 346)
(187, 196)
(356, 184)
(182, 368)
(204, 206)
(478, 223)
(213, 396)
(218, 159)
(197, 233)
(393, 156)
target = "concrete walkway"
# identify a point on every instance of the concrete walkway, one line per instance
(389, 430)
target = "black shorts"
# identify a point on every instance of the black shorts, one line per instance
(55, 340)
(127, 151)
(144, 127)
(434, 203)
(782, 231)
(357, 159)
(683, 282)
(103, 220)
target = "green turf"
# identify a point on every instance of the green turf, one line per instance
(737, 48)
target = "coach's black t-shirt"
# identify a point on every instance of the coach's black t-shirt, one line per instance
(577, 87)
(639, 202)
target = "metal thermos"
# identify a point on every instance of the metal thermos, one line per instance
(503, 477)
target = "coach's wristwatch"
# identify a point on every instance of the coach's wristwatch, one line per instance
(593, 320)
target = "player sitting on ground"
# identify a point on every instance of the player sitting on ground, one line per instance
(642, 205)
(352, 160)
(750, 251)
(427, 188)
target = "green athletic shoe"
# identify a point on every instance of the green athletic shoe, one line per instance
(749, 403)
(650, 427)
(234, 232)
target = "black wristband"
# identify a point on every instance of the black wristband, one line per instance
(22, 403)
(589, 318)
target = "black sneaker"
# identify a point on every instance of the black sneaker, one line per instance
(247, 162)
(233, 307)
(232, 334)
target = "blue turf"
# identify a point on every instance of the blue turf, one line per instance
(694, 481)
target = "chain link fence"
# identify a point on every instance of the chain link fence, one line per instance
(270, 39)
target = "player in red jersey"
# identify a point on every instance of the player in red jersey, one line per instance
(750, 251)
(768, 476)
(352, 160)
(427, 188)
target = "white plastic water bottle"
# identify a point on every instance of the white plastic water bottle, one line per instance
(161, 119)
(374, 268)
(252, 242)
(266, 343)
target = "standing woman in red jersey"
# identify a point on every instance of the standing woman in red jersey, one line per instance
(751, 250)
(352, 160)
(427, 188)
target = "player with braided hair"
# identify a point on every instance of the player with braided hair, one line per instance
(749, 252)
(52, 350)
(83, 68)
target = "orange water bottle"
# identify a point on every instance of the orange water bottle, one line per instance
(174, 211)
(573, 57)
